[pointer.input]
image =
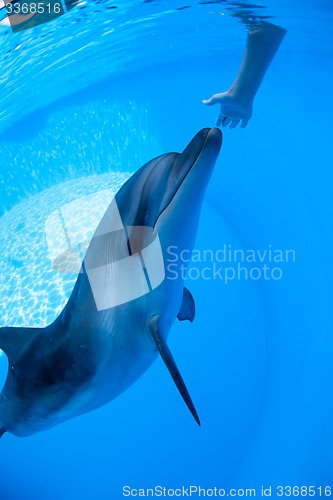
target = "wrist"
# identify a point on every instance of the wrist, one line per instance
(242, 94)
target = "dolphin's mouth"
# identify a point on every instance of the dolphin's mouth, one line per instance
(198, 143)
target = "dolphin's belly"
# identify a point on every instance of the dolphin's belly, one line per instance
(125, 350)
(121, 367)
(95, 374)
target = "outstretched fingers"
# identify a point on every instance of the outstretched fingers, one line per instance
(226, 121)
(219, 120)
(234, 123)
(233, 111)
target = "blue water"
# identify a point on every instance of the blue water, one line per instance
(86, 100)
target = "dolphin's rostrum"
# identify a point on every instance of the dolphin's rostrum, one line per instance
(106, 337)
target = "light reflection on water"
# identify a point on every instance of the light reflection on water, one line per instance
(32, 292)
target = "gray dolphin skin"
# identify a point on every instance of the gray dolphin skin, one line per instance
(105, 339)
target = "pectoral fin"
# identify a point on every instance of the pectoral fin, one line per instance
(171, 365)
(187, 309)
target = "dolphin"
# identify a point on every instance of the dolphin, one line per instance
(106, 337)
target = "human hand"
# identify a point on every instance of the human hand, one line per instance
(233, 110)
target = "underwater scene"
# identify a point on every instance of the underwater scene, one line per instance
(166, 285)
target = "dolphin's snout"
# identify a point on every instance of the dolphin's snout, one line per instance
(213, 134)
(207, 140)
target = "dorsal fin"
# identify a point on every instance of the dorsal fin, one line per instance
(162, 346)
(187, 309)
(13, 341)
